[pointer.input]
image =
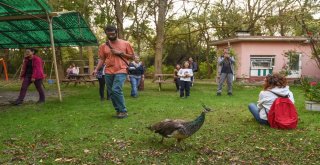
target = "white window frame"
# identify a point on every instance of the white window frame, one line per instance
(269, 57)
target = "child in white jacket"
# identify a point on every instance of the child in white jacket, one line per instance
(185, 74)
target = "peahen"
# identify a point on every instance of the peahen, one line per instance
(179, 129)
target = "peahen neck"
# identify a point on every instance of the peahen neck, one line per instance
(196, 124)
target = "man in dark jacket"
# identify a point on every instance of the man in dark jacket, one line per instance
(226, 71)
(31, 72)
(194, 66)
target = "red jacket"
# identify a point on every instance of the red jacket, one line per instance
(37, 67)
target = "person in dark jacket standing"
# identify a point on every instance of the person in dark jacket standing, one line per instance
(136, 74)
(176, 77)
(194, 66)
(226, 71)
(102, 83)
(31, 72)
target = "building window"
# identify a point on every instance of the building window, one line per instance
(293, 66)
(294, 61)
(261, 65)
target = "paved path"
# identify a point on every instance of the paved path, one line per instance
(32, 96)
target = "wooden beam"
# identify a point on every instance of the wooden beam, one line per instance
(26, 17)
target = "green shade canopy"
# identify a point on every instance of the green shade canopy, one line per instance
(31, 23)
(23, 23)
(27, 6)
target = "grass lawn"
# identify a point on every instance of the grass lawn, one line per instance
(81, 130)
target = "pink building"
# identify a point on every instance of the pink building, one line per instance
(257, 56)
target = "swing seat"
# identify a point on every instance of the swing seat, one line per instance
(50, 81)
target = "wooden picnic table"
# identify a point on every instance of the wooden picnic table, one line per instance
(79, 78)
(163, 78)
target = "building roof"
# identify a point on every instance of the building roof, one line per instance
(258, 39)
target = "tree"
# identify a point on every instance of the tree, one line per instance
(205, 32)
(310, 27)
(254, 11)
(140, 30)
(160, 24)
(280, 19)
(227, 18)
(119, 17)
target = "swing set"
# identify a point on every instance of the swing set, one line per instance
(23, 30)
(4, 70)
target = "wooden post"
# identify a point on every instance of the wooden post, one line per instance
(91, 59)
(81, 63)
(54, 58)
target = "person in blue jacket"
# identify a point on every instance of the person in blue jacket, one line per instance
(135, 75)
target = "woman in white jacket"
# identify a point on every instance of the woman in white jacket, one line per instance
(274, 85)
(185, 74)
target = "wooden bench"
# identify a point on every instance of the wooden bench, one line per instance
(67, 81)
(78, 79)
(92, 81)
(163, 79)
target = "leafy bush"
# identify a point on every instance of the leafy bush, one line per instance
(165, 69)
(311, 89)
(150, 70)
(203, 70)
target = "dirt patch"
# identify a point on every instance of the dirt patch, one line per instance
(32, 96)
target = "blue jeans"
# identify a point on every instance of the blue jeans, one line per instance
(255, 112)
(185, 86)
(135, 81)
(114, 84)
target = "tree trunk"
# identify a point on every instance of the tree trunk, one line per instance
(209, 67)
(119, 16)
(139, 46)
(91, 59)
(6, 54)
(60, 63)
(160, 36)
(81, 63)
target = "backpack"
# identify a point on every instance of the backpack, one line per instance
(283, 114)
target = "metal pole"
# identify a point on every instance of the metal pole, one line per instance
(54, 58)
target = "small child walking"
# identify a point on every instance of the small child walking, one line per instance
(185, 74)
(176, 77)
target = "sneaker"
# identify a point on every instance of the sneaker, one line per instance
(122, 115)
(230, 94)
(218, 94)
(15, 102)
(116, 115)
